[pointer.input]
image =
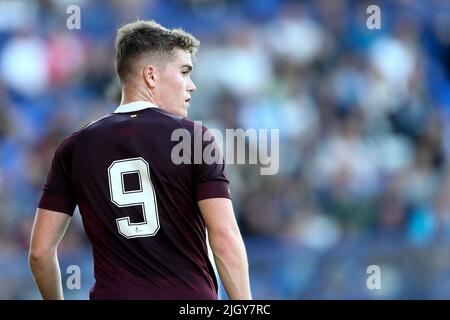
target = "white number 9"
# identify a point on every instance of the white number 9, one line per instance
(145, 197)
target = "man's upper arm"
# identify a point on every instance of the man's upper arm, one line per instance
(58, 194)
(210, 177)
(57, 202)
(48, 230)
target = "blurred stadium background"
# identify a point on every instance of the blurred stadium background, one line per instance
(363, 115)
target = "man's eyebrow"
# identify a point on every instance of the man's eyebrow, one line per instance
(188, 66)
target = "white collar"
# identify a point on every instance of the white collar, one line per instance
(134, 106)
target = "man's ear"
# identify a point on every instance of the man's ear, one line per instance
(150, 75)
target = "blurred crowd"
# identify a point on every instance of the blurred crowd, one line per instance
(363, 115)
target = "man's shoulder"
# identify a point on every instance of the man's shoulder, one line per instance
(67, 145)
(194, 126)
(167, 119)
(153, 115)
(69, 141)
(94, 123)
(176, 121)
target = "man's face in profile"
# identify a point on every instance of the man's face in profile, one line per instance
(175, 86)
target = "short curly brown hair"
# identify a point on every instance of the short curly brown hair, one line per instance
(150, 38)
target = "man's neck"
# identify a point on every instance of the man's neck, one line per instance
(133, 98)
(130, 95)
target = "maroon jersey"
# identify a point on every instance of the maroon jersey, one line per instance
(139, 209)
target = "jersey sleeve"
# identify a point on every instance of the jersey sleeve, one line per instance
(210, 177)
(58, 194)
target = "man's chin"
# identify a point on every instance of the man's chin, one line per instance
(185, 111)
(182, 113)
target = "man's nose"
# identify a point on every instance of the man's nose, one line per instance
(191, 86)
